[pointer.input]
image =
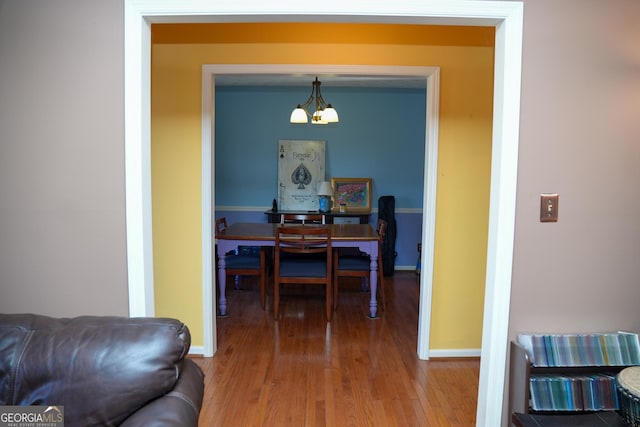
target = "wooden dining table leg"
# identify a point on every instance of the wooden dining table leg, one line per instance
(222, 285)
(373, 283)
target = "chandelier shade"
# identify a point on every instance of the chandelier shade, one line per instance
(298, 115)
(330, 114)
(323, 112)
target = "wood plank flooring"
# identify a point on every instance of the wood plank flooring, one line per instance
(354, 371)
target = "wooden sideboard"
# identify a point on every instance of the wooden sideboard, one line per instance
(330, 217)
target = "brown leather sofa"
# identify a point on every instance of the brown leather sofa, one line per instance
(104, 371)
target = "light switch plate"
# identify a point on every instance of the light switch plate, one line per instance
(549, 207)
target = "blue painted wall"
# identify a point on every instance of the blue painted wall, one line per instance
(381, 135)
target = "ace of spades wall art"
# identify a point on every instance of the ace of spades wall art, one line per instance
(300, 171)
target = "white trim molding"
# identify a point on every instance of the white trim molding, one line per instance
(463, 352)
(137, 130)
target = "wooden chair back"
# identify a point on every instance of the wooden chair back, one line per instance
(299, 218)
(221, 224)
(360, 267)
(244, 265)
(303, 240)
(302, 255)
(381, 228)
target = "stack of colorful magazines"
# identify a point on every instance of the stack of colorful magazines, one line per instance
(596, 349)
(592, 392)
(571, 390)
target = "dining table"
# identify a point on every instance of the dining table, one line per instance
(361, 236)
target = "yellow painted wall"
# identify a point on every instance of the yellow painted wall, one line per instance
(465, 57)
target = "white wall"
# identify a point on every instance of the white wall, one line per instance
(62, 230)
(580, 137)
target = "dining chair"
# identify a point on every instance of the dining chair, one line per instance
(302, 256)
(245, 261)
(302, 218)
(359, 265)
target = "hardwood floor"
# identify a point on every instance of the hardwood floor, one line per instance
(354, 371)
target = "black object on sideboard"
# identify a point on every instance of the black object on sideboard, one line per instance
(387, 212)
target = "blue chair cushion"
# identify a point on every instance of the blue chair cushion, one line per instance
(303, 267)
(357, 263)
(242, 262)
(249, 250)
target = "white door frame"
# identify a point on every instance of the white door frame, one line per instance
(506, 17)
(432, 85)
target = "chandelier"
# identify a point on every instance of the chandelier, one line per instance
(324, 113)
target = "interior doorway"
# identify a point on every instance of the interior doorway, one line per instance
(506, 17)
(431, 75)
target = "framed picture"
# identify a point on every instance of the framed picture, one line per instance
(300, 171)
(355, 193)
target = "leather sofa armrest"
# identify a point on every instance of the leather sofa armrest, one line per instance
(180, 407)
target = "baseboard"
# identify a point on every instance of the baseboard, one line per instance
(468, 352)
(196, 350)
